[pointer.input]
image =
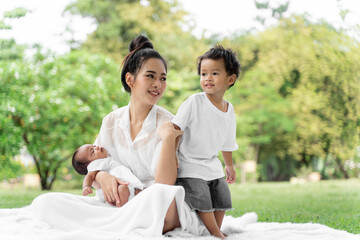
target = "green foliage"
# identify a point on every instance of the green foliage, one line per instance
(9, 169)
(277, 11)
(16, 13)
(9, 50)
(4, 26)
(296, 98)
(55, 104)
(164, 22)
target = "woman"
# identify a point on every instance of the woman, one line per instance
(130, 133)
(141, 138)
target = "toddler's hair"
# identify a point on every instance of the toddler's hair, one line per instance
(232, 65)
(79, 165)
(140, 50)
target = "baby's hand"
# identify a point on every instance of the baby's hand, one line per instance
(86, 191)
(230, 174)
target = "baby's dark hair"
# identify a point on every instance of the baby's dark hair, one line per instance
(232, 65)
(140, 50)
(79, 165)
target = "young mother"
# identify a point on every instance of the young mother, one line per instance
(141, 138)
(132, 134)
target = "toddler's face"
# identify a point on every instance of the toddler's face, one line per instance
(91, 152)
(214, 79)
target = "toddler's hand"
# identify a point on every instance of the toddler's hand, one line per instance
(168, 131)
(86, 191)
(230, 174)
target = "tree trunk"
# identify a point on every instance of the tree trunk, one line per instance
(341, 167)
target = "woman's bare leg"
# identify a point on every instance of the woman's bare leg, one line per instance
(172, 218)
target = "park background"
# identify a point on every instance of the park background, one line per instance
(296, 101)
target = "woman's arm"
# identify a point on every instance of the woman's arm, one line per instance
(166, 169)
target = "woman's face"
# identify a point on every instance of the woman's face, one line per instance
(150, 83)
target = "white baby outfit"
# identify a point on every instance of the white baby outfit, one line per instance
(117, 170)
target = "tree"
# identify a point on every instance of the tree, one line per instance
(277, 10)
(120, 21)
(300, 79)
(55, 104)
(10, 140)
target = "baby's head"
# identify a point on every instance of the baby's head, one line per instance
(232, 65)
(85, 155)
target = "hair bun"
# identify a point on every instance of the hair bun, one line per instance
(140, 42)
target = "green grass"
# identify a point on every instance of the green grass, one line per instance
(332, 203)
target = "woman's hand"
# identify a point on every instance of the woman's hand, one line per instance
(109, 185)
(167, 131)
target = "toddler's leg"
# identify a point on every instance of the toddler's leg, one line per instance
(219, 217)
(208, 218)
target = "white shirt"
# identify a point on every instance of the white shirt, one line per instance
(140, 155)
(207, 130)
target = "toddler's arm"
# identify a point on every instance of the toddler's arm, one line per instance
(88, 180)
(229, 167)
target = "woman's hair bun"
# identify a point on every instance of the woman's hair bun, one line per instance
(140, 42)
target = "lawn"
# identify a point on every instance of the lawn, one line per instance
(333, 203)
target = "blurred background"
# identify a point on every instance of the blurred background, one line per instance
(296, 101)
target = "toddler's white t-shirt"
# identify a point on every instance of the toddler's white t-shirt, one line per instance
(207, 130)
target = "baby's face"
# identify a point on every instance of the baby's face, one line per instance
(91, 152)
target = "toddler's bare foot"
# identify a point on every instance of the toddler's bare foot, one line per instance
(219, 235)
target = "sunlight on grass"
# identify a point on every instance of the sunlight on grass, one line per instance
(333, 203)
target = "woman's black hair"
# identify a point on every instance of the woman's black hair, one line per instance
(79, 166)
(140, 50)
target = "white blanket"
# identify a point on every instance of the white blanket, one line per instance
(61, 216)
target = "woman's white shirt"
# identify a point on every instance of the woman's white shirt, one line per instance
(140, 155)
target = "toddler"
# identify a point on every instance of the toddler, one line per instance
(209, 125)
